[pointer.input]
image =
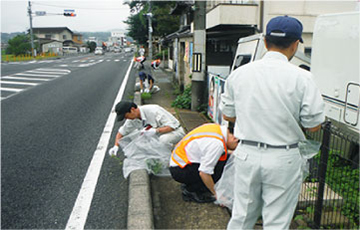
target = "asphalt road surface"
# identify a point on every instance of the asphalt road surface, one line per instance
(53, 114)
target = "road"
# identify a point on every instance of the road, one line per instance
(53, 115)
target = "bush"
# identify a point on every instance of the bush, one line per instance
(183, 101)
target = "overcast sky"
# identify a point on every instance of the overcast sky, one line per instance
(91, 15)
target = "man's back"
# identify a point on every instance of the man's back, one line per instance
(271, 99)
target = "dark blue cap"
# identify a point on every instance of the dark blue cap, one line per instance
(285, 26)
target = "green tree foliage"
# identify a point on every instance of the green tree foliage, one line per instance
(91, 46)
(20, 44)
(162, 22)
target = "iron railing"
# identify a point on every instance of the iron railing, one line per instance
(330, 194)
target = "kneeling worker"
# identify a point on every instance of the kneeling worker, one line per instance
(198, 160)
(162, 122)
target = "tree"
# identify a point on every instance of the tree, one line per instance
(162, 22)
(20, 44)
(91, 46)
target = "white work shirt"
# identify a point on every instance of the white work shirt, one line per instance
(206, 151)
(269, 98)
(153, 115)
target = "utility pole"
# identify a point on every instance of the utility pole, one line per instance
(199, 72)
(149, 14)
(33, 51)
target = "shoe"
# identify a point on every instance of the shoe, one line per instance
(198, 198)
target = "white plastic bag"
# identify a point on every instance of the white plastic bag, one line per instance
(144, 152)
(224, 187)
(308, 149)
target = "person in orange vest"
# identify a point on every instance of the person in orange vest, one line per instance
(198, 160)
(156, 63)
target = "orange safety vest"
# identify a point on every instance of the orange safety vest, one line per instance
(207, 130)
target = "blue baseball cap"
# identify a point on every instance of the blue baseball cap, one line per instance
(285, 26)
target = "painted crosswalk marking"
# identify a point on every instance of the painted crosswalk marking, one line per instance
(15, 83)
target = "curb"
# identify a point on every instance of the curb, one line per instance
(140, 215)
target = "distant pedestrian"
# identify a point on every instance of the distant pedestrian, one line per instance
(156, 64)
(198, 161)
(140, 62)
(146, 83)
(162, 123)
(269, 100)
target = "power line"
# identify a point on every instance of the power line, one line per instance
(82, 8)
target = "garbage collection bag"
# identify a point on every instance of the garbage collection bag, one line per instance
(144, 152)
(308, 149)
(224, 187)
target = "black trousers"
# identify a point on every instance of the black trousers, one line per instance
(191, 178)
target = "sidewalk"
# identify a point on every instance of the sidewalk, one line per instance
(169, 210)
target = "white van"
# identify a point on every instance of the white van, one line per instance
(335, 65)
(69, 49)
(252, 48)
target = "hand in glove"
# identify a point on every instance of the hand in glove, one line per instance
(141, 90)
(113, 151)
(147, 90)
(149, 132)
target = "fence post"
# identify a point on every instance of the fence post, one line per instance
(325, 147)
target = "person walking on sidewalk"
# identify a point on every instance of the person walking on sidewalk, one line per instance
(198, 160)
(269, 100)
(161, 121)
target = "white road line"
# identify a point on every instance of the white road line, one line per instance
(61, 70)
(10, 89)
(81, 208)
(25, 78)
(35, 75)
(17, 83)
(46, 72)
(116, 60)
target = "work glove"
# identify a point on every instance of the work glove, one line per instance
(148, 132)
(147, 90)
(113, 151)
(141, 90)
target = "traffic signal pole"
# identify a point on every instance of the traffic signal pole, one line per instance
(33, 51)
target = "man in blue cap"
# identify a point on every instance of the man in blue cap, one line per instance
(270, 101)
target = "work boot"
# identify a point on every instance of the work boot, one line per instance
(197, 197)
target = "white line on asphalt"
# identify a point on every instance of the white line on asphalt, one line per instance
(35, 75)
(81, 208)
(61, 70)
(10, 89)
(25, 78)
(17, 83)
(116, 60)
(46, 72)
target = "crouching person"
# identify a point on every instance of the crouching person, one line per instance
(198, 160)
(162, 123)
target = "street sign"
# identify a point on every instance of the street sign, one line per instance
(40, 13)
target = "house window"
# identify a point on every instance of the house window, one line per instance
(64, 37)
(48, 36)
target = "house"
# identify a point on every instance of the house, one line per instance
(55, 33)
(227, 21)
(50, 37)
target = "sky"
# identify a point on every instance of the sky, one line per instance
(91, 15)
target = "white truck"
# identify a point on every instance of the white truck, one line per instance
(335, 65)
(252, 48)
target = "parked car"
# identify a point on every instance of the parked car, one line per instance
(99, 51)
(117, 50)
(127, 50)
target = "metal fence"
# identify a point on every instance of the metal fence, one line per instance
(330, 194)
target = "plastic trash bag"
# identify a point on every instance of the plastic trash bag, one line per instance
(224, 187)
(308, 149)
(143, 152)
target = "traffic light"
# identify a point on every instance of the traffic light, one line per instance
(69, 14)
